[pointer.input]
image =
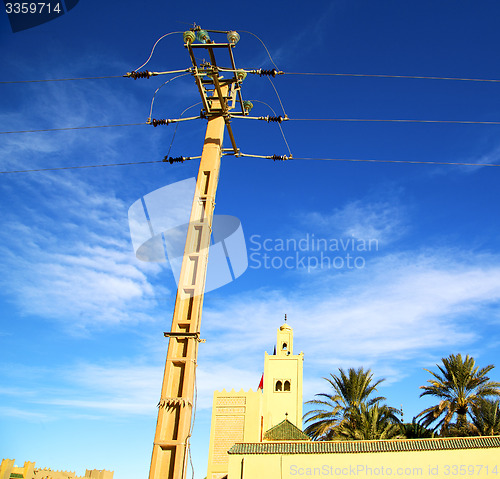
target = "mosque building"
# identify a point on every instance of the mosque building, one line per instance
(274, 410)
(258, 434)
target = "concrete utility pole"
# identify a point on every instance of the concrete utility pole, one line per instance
(173, 428)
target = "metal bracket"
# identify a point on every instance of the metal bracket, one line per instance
(196, 336)
(168, 402)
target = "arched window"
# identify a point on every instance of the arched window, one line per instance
(286, 386)
(284, 347)
(278, 386)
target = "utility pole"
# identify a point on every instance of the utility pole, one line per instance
(219, 95)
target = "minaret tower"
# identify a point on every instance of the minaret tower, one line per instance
(283, 373)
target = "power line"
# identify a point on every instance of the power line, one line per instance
(465, 122)
(133, 74)
(279, 123)
(71, 128)
(414, 77)
(61, 79)
(361, 75)
(264, 45)
(165, 160)
(379, 120)
(81, 167)
(411, 162)
(154, 46)
(352, 160)
(158, 89)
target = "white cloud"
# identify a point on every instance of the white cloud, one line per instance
(405, 305)
(75, 262)
(118, 388)
(218, 376)
(383, 221)
(388, 320)
(17, 413)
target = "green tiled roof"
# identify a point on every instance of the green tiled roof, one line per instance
(343, 447)
(285, 431)
(15, 474)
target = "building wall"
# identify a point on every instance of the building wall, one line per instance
(478, 463)
(246, 416)
(28, 471)
(8, 467)
(98, 474)
(280, 405)
(281, 370)
(50, 474)
(236, 417)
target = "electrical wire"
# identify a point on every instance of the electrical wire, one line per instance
(177, 124)
(158, 89)
(60, 79)
(195, 404)
(376, 120)
(71, 128)
(82, 167)
(264, 45)
(414, 77)
(91, 78)
(279, 124)
(463, 122)
(153, 49)
(362, 160)
(246, 155)
(275, 66)
(361, 75)
(277, 94)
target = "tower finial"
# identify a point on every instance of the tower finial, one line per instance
(285, 317)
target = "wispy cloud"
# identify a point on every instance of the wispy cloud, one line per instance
(409, 306)
(385, 221)
(406, 306)
(117, 389)
(76, 260)
(18, 413)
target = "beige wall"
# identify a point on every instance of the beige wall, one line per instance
(283, 366)
(246, 416)
(99, 474)
(477, 463)
(30, 472)
(8, 467)
(236, 417)
(278, 403)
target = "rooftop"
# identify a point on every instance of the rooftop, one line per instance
(285, 431)
(343, 447)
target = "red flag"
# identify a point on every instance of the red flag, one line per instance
(261, 384)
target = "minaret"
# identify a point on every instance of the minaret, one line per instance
(283, 382)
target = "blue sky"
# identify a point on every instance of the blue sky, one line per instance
(82, 320)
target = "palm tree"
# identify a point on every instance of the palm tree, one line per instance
(486, 419)
(371, 422)
(414, 430)
(460, 387)
(350, 390)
